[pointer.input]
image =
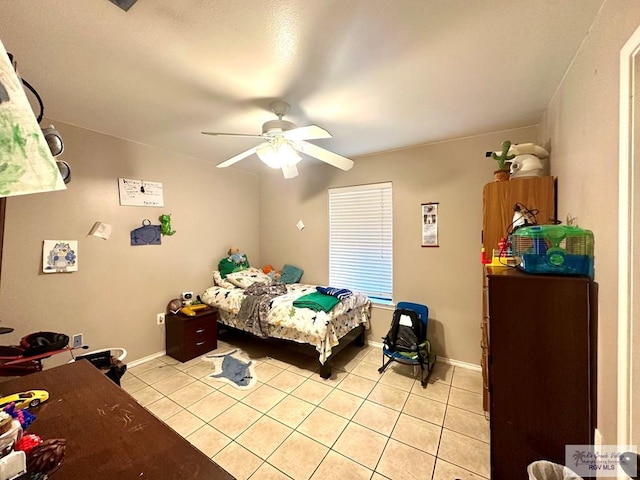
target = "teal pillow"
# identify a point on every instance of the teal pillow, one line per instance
(291, 274)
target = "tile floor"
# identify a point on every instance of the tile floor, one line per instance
(292, 424)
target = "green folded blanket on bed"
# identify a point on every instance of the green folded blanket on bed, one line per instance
(316, 301)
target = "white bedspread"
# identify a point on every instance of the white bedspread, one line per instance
(302, 325)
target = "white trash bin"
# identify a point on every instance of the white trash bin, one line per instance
(543, 470)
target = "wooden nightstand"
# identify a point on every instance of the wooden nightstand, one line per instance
(188, 337)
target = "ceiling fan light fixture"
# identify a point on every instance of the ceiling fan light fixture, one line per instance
(278, 154)
(268, 155)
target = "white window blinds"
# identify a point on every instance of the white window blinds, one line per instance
(361, 240)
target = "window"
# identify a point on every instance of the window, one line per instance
(361, 240)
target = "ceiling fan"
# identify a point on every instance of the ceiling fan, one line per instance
(282, 142)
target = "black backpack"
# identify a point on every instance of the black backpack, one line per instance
(406, 332)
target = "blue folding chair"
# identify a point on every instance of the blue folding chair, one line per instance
(425, 357)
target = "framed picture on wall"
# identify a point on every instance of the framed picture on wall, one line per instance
(430, 224)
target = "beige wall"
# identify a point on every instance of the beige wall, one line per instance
(581, 130)
(447, 279)
(115, 295)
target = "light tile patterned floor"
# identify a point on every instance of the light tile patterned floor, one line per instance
(292, 424)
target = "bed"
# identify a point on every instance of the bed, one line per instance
(274, 316)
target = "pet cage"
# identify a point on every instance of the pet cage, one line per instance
(554, 249)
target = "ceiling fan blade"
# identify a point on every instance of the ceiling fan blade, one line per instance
(326, 156)
(290, 171)
(310, 132)
(221, 134)
(240, 156)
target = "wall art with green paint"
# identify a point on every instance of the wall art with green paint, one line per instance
(26, 163)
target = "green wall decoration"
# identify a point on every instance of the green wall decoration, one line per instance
(165, 224)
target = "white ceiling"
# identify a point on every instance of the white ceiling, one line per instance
(377, 74)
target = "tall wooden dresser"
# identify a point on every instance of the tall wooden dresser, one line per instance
(499, 198)
(542, 368)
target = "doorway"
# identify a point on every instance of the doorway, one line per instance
(629, 231)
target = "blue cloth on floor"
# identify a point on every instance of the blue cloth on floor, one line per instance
(340, 293)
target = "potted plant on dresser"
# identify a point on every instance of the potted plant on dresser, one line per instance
(502, 159)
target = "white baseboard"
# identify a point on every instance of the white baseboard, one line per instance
(458, 363)
(146, 359)
(440, 359)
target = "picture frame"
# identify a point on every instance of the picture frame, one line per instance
(430, 224)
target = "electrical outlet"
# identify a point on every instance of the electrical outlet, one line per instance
(160, 318)
(77, 340)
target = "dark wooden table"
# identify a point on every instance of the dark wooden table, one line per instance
(109, 435)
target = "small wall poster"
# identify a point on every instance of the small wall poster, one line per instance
(429, 224)
(60, 256)
(140, 193)
(101, 230)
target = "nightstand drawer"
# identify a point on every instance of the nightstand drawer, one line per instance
(199, 347)
(200, 328)
(189, 337)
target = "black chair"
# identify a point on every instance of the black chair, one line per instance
(428, 358)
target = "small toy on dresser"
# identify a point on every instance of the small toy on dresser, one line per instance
(187, 298)
(527, 161)
(190, 310)
(174, 306)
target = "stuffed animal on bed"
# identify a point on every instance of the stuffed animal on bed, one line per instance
(236, 257)
(233, 262)
(272, 272)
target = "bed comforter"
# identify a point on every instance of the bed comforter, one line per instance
(302, 325)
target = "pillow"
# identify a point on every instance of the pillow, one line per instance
(227, 266)
(221, 282)
(246, 278)
(291, 274)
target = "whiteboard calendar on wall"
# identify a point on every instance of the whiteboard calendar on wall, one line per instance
(140, 193)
